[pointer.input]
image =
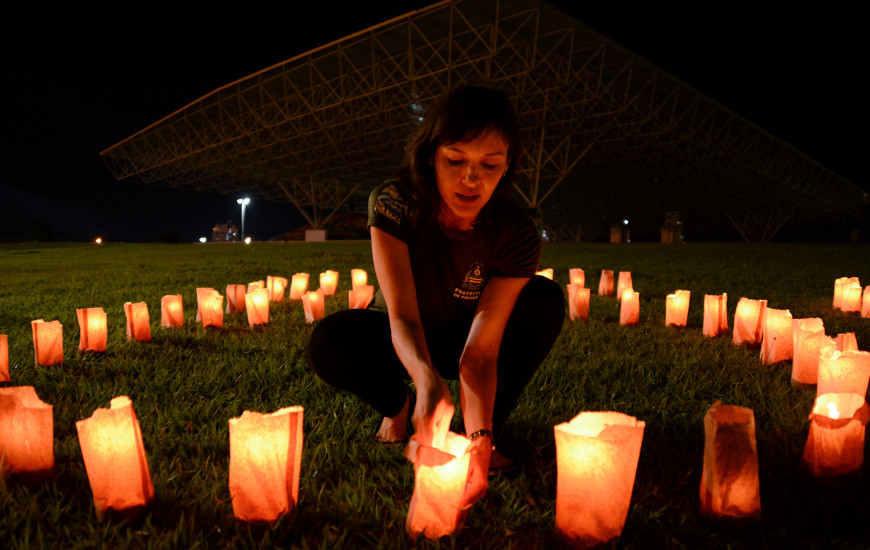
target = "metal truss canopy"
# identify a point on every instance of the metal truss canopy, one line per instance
(608, 136)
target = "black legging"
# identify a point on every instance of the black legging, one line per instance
(352, 350)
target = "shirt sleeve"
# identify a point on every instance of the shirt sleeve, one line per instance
(387, 212)
(520, 250)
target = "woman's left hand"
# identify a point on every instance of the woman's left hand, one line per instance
(478, 472)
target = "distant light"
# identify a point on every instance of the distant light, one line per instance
(244, 202)
(544, 234)
(202, 240)
(624, 222)
(98, 240)
(247, 240)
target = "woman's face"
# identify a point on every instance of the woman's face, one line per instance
(467, 174)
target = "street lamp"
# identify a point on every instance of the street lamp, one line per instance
(244, 202)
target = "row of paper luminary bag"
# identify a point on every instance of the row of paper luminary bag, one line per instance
(253, 300)
(834, 447)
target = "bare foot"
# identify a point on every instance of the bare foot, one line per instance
(395, 429)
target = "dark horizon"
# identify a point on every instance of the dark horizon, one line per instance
(84, 80)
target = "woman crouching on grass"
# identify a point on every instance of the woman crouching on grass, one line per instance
(455, 259)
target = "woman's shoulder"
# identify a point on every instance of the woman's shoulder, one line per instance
(386, 201)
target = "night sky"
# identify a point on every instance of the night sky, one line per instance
(82, 76)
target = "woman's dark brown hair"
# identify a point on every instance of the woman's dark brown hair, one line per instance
(461, 115)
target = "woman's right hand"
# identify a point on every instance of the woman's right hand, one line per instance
(433, 412)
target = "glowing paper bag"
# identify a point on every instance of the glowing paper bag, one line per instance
(596, 461)
(749, 321)
(265, 459)
(807, 335)
(715, 314)
(328, 282)
(47, 342)
(605, 285)
(138, 322)
(835, 445)
(26, 434)
(729, 479)
(92, 329)
(4, 359)
(851, 300)
(839, 285)
(577, 276)
(548, 273)
(777, 342)
(257, 306)
(865, 303)
(209, 307)
(298, 286)
(255, 285)
(844, 372)
(111, 442)
(440, 476)
(171, 311)
(629, 311)
(623, 283)
(236, 298)
(313, 305)
(578, 302)
(358, 278)
(359, 298)
(276, 286)
(677, 308)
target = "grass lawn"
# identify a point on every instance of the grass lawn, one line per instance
(187, 383)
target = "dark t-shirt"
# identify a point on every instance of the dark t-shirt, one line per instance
(450, 275)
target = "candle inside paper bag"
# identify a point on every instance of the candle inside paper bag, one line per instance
(749, 321)
(4, 359)
(605, 285)
(138, 322)
(844, 372)
(265, 460)
(865, 303)
(360, 298)
(807, 335)
(577, 276)
(47, 342)
(729, 478)
(257, 306)
(677, 308)
(629, 310)
(839, 286)
(236, 298)
(548, 273)
(851, 301)
(329, 282)
(835, 445)
(276, 286)
(92, 329)
(26, 435)
(777, 342)
(623, 283)
(298, 285)
(578, 302)
(209, 307)
(313, 305)
(440, 477)
(171, 311)
(111, 443)
(358, 278)
(715, 314)
(596, 462)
